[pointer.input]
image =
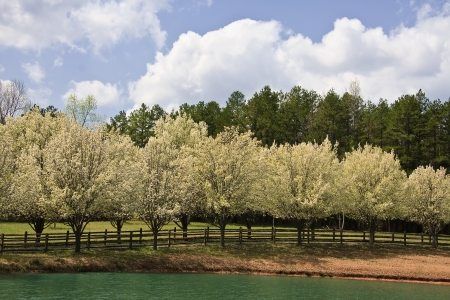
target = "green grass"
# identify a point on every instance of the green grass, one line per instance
(19, 228)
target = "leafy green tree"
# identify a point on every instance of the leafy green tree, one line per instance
(406, 129)
(331, 120)
(296, 113)
(374, 123)
(210, 113)
(234, 111)
(118, 123)
(141, 123)
(263, 115)
(436, 137)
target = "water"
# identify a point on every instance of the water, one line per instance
(206, 286)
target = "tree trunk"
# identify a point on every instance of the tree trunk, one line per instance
(434, 237)
(185, 220)
(155, 238)
(118, 225)
(77, 226)
(249, 230)
(38, 226)
(78, 234)
(222, 225)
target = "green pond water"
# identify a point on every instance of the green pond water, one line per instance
(206, 286)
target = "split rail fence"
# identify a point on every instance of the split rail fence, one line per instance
(143, 238)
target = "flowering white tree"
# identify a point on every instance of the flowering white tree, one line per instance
(183, 136)
(427, 197)
(32, 132)
(7, 167)
(77, 168)
(370, 183)
(157, 204)
(302, 182)
(123, 177)
(228, 168)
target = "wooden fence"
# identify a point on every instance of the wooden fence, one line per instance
(167, 238)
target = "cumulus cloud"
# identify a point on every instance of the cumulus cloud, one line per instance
(106, 94)
(248, 54)
(34, 71)
(40, 96)
(39, 24)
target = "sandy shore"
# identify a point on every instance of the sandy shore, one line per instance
(419, 265)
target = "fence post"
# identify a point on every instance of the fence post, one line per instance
(421, 238)
(131, 240)
(119, 237)
(67, 238)
(170, 233)
(207, 233)
(240, 235)
(341, 237)
(364, 236)
(140, 235)
(105, 237)
(205, 237)
(307, 235)
(334, 234)
(46, 242)
(25, 239)
(89, 241)
(429, 239)
(404, 237)
(393, 236)
(2, 242)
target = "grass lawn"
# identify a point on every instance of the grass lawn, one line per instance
(15, 227)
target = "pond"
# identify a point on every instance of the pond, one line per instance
(206, 286)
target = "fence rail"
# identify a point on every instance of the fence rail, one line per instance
(166, 238)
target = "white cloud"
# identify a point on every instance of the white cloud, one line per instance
(40, 96)
(58, 62)
(34, 71)
(106, 94)
(248, 54)
(39, 24)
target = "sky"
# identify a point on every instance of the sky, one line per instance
(169, 52)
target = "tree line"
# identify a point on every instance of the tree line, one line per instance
(55, 169)
(416, 128)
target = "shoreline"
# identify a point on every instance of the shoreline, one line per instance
(391, 265)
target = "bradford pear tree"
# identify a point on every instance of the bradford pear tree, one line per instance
(78, 176)
(427, 197)
(183, 136)
(32, 133)
(302, 182)
(228, 168)
(370, 183)
(157, 204)
(123, 177)
(8, 156)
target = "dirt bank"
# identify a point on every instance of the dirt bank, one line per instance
(388, 263)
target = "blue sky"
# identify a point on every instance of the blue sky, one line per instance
(169, 52)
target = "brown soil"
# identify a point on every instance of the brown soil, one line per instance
(353, 262)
